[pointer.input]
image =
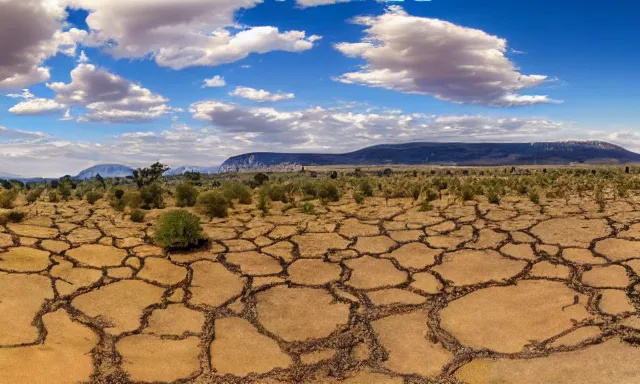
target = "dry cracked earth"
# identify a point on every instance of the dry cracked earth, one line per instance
(381, 293)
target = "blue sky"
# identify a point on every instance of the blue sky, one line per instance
(124, 81)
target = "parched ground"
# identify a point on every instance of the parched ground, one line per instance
(380, 293)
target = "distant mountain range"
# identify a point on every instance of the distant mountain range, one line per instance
(183, 170)
(446, 154)
(106, 171)
(419, 153)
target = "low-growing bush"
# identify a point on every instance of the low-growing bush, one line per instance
(493, 196)
(358, 197)
(276, 192)
(263, 203)
(534, 196)
(132, 199)
(214, 204)
(178, 230)
(93, 197)
(259, 179)
(328, 191)
(366, 188)
(152, 196)
(237, 191)
(53, 197)
(308, 209)
(34, 195)
(138, 215)
(426, 206)
(7, 198)
(186, 195)
(431, 195)
(64, 188)
(11, 217)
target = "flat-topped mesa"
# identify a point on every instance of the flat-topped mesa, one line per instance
(424, 153)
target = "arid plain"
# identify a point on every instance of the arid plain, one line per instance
(390, 290)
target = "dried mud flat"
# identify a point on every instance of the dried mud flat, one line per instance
(380, 293)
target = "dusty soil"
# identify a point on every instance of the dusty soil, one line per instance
(380, 293)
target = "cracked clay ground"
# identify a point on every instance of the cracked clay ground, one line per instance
(380, 293)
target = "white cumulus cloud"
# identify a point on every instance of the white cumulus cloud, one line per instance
(37, 106)
(260, 95)
(216, 81)
(110, 97)
(180, 34)
(31, 31)
(428, 56)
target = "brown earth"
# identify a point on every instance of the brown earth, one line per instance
(378, 293)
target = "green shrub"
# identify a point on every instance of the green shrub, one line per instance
(426, 206)
(431, 195)
(263, 203)
(93, 196)
(7, 198)
(64, 188)
(178, 230)
(366, 188)
(259, 179)
(132, 200)
(237, 191)
(34, 195)
(11, 217)
(358, 197)
(493, 196)
(152, 196)
(117, 204)
(308, 209)
(138, 215)
(467, 193)
(328, 191)
(214, 204)
(118, 193)
(276, 192)
(53, 197)
(534, 196)
(186, 195)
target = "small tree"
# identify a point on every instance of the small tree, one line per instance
(148, 176)
(192, 176)
(100, 180)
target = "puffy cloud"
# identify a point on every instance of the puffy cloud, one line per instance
(233, 130)
(346, 129)
(216, 81)
(37, 106)
(31, 31)
(83, 58)
(20, 136)
(179, 34)
(433, 57)
(260, 95)
(628, 139)
(109, 97)
(26, 94)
